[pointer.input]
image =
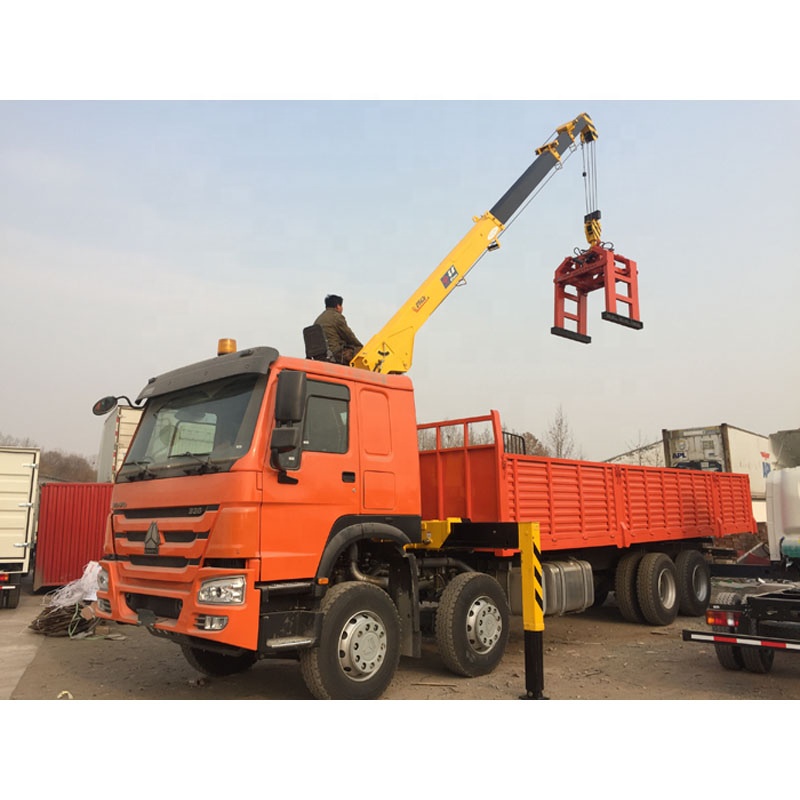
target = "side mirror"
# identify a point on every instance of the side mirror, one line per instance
(104, 405)
(290, 400)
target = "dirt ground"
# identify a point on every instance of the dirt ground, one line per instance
(590, 656)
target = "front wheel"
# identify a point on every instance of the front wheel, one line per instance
(472, 624)
(359, 647)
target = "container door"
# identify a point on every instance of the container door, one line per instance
(18, 486)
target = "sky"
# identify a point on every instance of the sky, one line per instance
(133, 235)
(144, 214)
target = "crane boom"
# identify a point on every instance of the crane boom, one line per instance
(391, 349)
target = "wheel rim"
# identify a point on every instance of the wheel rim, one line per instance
(362, 646)
(484, 625)
(667, 589)
(700, 586)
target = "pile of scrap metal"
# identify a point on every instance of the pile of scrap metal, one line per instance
(76, 621)
(69, 611)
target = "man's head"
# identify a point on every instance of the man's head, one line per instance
(333, 301)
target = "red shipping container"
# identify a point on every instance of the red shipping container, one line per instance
(72, 524)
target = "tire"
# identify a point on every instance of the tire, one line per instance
(13, 599)
(625, 587)
(217, 665)
(694, 583)
(9, 598)
(657, 589)
(359, 647)
(757, 659)
(728, 655)
(472, 624)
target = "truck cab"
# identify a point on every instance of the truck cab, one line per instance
(253, 483)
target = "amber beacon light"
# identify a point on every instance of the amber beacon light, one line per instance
(226, 346)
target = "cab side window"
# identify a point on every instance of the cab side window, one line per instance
(326, 428)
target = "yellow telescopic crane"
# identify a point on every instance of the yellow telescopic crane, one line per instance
(391, 349)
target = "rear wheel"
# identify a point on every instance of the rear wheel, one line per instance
(216, 664)
(359, 647)
(694, 583)
(10, 597)
(657, 589)
(758, 659)
(625, 587)
(472, 624)
(728, 655)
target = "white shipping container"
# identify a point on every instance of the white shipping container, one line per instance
(19, 493)
(118, 430)
(722, 448)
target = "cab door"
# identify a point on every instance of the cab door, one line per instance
(301, 508)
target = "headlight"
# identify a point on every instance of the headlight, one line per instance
(102, 580)
(223, 591)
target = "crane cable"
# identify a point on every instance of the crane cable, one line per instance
(590, 175)
(590, 189)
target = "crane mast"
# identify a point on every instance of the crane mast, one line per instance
(390, 350)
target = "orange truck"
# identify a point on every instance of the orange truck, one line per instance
(279, 507)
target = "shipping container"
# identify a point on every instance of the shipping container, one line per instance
(118, 430)
(723, 448)
(72, 523)
(19, 494)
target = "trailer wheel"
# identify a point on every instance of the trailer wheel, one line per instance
(359, 647)
(758, 659)
(694, 583)
(728, 655)
(10, 597)
(625, 587)
(472, 624)
(217, 665)
(657, 589)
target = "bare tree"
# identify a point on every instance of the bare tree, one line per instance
(645, 454)
(55, 465)
(533, 446)
(558, 438)
(12, 441)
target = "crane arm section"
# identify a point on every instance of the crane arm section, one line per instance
(391, 349)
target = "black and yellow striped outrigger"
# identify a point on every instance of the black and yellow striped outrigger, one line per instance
(532, 609)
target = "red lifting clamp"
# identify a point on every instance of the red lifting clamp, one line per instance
(593, 269)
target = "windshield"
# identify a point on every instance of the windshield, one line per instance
(195, 430)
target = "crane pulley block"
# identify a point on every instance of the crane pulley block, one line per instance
(599, 267)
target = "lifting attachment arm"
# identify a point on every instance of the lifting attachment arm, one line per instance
(391, 349)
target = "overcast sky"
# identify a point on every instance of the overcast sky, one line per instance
(133, 235)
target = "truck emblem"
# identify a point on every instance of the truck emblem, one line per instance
(152, 541)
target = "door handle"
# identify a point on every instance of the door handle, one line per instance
(348, 477)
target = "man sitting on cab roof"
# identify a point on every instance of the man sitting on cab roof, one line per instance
(342, 342)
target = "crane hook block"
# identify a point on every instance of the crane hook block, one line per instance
(596, 268)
